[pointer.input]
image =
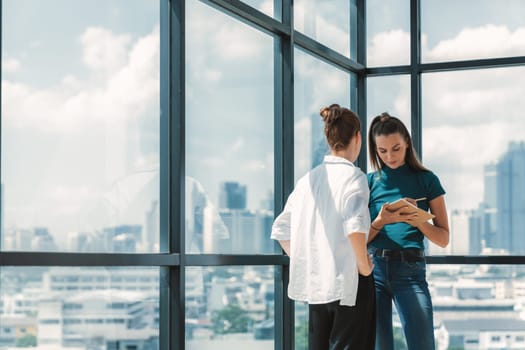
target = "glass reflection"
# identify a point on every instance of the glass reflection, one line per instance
(80, 126)
(229, 135)
(230, 308)
(474, 137)
(79, 308)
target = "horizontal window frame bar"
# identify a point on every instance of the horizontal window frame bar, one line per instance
(327, 54)
(475, 259)
(250, 16)
(168, 260)
(116, 259)
(235, 260)
(487, 63)
(86, 259)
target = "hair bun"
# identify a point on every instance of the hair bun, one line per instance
(331, 114)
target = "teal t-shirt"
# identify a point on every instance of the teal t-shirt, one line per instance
(392, 184)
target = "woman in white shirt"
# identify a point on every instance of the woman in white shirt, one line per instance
(324, 229)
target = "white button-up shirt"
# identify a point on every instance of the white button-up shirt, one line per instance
(327, 205)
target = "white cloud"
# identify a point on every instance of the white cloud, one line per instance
(102, 50)
(389, 48)
(10, 65)
(474, 97)
(128, 85)
(230, 43)
(486, 41)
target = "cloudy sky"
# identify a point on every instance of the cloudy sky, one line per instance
(80, 100)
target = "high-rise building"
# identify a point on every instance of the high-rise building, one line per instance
(510, 193)
(489, 207)
(459, 232)
(232, 195)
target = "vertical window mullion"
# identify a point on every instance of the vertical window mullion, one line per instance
(172, 183)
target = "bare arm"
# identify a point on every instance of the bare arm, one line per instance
(286, 246)
(438, 231)
(364, 263)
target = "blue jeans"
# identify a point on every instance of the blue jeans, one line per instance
(405, 284)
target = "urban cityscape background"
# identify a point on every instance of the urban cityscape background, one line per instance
(80, 164)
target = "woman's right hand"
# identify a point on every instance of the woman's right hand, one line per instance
(367, 268)
(387, 216)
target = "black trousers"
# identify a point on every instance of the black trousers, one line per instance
(336, 327)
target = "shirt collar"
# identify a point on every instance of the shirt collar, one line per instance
(330, 159)
(403, 169)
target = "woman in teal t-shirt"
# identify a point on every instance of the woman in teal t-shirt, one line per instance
(396, 239)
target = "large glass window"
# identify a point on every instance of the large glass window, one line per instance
(81, 137)
(80, 126)
(474, 140)
(229, 134)
(474, 29)
(70, 307)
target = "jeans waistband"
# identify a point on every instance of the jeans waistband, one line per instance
(409, 255)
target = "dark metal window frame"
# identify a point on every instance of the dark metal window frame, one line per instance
(172, 265)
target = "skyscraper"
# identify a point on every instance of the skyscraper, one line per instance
(232, 195)
(489, 208)
(510, 192)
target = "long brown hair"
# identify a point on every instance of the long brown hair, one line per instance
(385, 124)
(340, 126)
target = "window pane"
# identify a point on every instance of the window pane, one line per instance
(332, 23)
(266, 6)
(80, 125)
(230, 308)
(79, 308)
(388, 94)
(474, 29)
(229, 134)
(388, 32)
(477, 306)
(474, 140)
(316, 85)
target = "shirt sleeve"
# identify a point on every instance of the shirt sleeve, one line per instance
(433, 185)
(356, 216)
(281, 230)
